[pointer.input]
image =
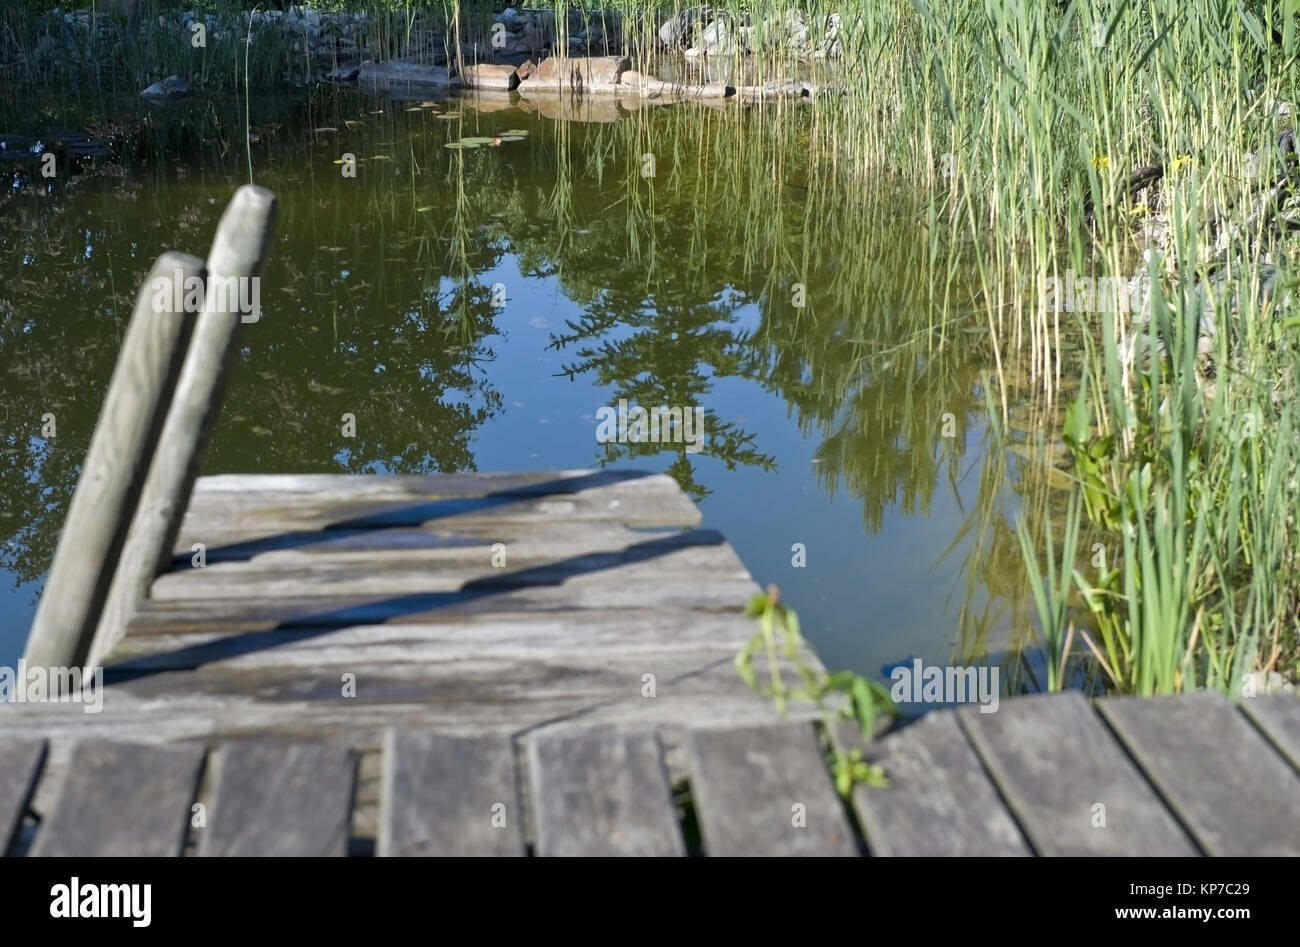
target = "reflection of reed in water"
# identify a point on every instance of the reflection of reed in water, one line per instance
(874, 364)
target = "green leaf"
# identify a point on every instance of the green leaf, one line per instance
(1101, 447)
(1077, 424)
(875, 777)
(865, 703)
(843, 777)
(745, 668)
(792, 636)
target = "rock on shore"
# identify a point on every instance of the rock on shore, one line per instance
(405, 71)
(173, 87)
(500, 77)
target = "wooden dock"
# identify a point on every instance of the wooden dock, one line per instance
(459, 665)
(336, 608)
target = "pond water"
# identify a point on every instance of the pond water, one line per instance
(475, 308)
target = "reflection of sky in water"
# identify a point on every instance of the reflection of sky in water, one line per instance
(864, 600)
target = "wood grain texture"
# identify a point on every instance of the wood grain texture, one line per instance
(362, 726)
(700, 556)
(20, 765)
(1055, 762)
(601, 792)
(447, 795)
(406, 486)
(1229, 786)
(235, 523)
(121, 799)
(307, 611)
(475, 541)
(632, 498)
(223, 716)
(280, 799)
(676, 672)
(238, 253)
(1278, 716)
(766, 791)
(594, 633)
(112, 474)
(939, 800)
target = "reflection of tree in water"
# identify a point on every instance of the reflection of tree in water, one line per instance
(664, 354)
(405, 374)
(59, 335)
(883, 368)
(870, 368)
(880, 416)
(858, 365)
(373, 305)
(385, 326)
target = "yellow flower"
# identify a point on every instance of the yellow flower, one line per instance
(1180, 162)
(1102, 162)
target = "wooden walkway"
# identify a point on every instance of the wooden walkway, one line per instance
(336, 608)
(357, 670)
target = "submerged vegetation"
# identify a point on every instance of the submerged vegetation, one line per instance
(1153, 443)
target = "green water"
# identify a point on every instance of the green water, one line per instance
(800, 310)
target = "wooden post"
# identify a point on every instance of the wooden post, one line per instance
(113, 473)
(238, 252)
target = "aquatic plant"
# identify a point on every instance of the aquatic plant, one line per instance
(843, 695)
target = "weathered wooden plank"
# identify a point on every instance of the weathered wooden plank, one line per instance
(1056, 763)
(492, 635)
(765, 791)
(20, 764)
(522, 544)
(224, 717)
(939, 800)
(1228, 785)
(128, 718)
(113, 473)
(601, 792)
(1278, 716)
(688, 558)
(214, 525)
(448, 795)
(356, 501)
(238, 253)
(251, 522)
(425, 486)
(122, 799)
(273, 798)
(244, 615)
(505, 677)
